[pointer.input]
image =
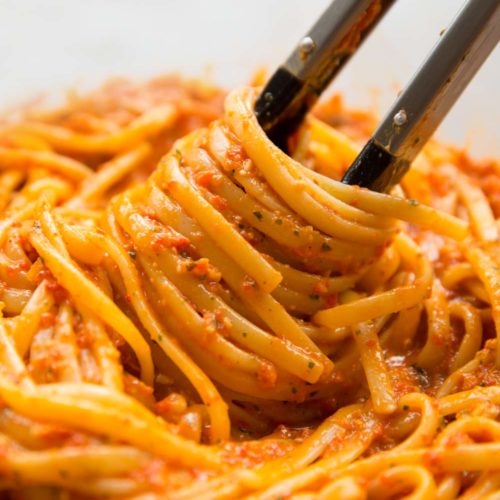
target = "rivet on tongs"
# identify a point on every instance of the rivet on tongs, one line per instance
(306, 46)
(268, 97)
(400, 118)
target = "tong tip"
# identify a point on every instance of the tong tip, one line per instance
(282, 105)
(375, 168)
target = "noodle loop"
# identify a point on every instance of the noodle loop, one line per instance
(187, 312)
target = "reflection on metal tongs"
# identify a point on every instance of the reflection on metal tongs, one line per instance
(417, 112)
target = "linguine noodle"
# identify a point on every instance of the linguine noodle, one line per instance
(188, 312)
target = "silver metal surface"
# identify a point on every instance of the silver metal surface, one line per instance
(295, 86)
(461, 50)
(323, 49)
(327, 35)
(400, 118)
(306, 46)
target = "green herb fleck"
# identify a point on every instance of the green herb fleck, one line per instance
(296, 232)
(421, 374)
(278, 221)
(191, 265)
(244, 334)
(413, 203)
(325, 247)
(311, 364)
(133, 254)
(258, 215)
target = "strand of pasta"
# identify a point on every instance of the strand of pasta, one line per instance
(9, 181)
(59, 164)
(88, 295)
(286, 356)
(253, 291)
(12, 365)
(64, 466)
(481, 215)
(64, 334)
(107, 356)
(216, 226)
(146, 125)
(108, 174)
(473, 336)
(219, 421)
(386, 302)
(375, 368)
(284, 176)
(263, 304)
(101, 411)
(24, 326)
(452, 382)
(488, 482)
(238, 482)
(489, 274)
(438, 329)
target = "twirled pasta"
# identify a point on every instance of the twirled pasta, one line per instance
(190, 313)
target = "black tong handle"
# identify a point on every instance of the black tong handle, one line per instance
(296, 85)
(429, 96)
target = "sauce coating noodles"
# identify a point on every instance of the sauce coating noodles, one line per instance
(187, 312)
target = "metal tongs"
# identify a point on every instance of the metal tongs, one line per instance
(295, 86)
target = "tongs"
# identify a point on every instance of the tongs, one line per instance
(296, 85)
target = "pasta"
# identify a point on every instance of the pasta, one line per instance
(187, 312)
